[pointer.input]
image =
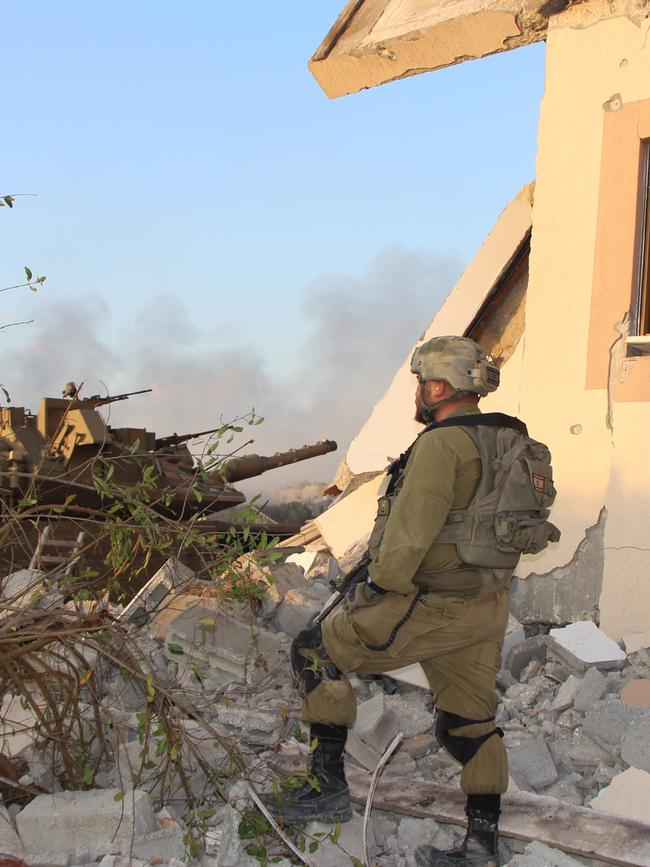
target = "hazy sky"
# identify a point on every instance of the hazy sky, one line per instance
(212, 226)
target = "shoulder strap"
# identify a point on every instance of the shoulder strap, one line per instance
(490, 419)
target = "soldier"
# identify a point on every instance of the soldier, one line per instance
(420, 603)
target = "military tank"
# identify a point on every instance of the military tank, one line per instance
(60, 456)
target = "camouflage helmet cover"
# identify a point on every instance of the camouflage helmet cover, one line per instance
(458, 361)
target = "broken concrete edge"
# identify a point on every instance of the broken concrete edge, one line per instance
(359, 53)
(565, 593)
(171, 576)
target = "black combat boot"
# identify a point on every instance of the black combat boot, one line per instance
(325, 795)
(480, 848)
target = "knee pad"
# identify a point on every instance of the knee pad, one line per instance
(309, 660)
(460, 747)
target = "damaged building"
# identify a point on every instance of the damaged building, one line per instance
(559, 291)
(559, 294)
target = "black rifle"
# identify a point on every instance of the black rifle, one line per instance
(358, 575)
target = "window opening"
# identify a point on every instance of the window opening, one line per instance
(641, 301)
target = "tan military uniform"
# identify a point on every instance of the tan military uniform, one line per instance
(454, 627)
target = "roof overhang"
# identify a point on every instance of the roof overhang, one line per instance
(376, 41)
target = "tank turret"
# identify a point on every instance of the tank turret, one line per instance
(68, 445)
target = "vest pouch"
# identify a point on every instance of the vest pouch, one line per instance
(523, 537)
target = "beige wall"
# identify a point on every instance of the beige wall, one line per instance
(579, 289)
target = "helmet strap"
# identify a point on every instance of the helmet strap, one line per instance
(427, 410)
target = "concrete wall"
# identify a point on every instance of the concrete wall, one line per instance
(573, 395)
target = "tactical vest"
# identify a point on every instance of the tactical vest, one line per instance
(508, 514)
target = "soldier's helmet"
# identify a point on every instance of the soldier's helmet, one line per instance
(458, 361)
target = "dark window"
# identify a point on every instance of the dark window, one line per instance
(499, 323)
(640, 318)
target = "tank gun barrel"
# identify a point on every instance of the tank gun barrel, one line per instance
(176, 439)
(247, 466)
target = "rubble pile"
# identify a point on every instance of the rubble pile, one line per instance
(575, 715)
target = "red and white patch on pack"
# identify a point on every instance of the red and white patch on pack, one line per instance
(539, 483)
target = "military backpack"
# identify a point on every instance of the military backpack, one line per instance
(508, 515)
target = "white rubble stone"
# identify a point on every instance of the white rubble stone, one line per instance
(529, 758)
(93, 820)
(413, 832)
(608, 721)
(349, 844)
(215, 642)
(298, 606)
(10, 842)
(375, 724)
(16, 725)
(584, 753)
(635, 746)
(304, 559)
(522, 694)
(361, 752)
(565, 790)
(588, 644)
(537, 854)
(170, 577)
(48, 859)
(591, 688)
(566, 694)
(412, 715)
(232, 851)
(21, 584)
(121, 861)
(161, 845)
(627, 795)
(258, 724)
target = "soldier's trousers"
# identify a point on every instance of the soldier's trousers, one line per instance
(458, 645)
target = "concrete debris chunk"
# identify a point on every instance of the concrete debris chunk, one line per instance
(530, 761)
(412, 714)
(635, 747)
(299, 605)
(627, 795)
(361, 752)
(304, 559)
(537, 854)
(170, 577)
(566, 694)
(607, 721)
(219, 649)
(565, 790)
(375, 724)
(582, 645)
(162, 845)
(584, 753)
(22, 588)
(94, 820)
(412, 833)
(590, 689)
(637, 693)
(348, 846)
(10, 842)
